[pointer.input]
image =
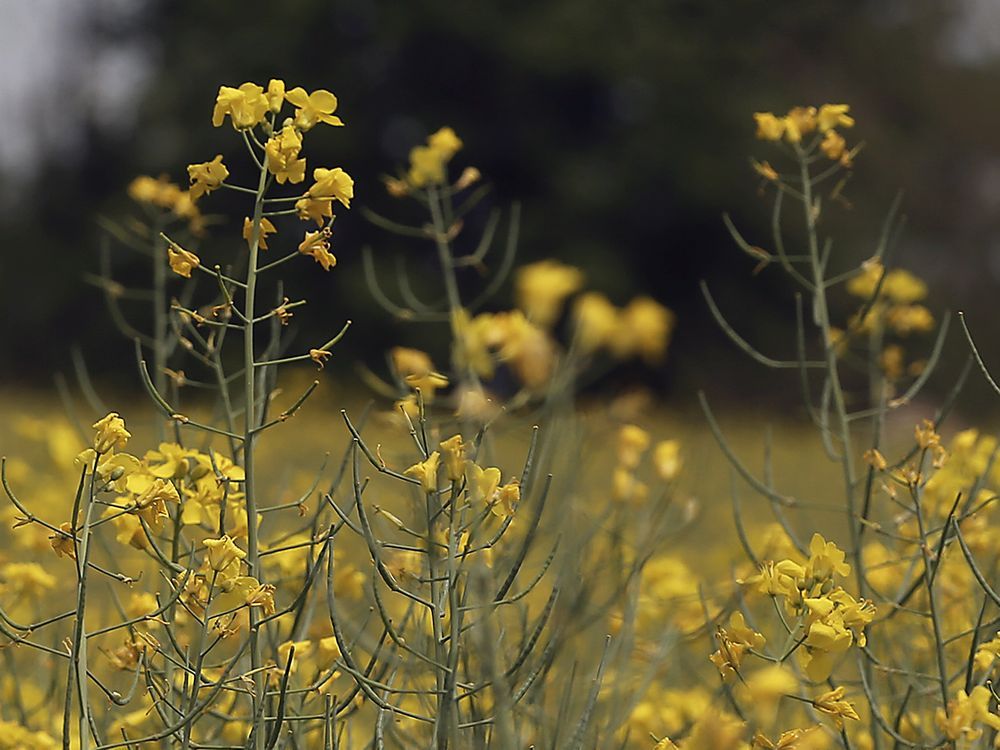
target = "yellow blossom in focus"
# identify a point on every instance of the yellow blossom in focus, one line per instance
(313, 108)
(266, 228)
(207, 176)
(246, 106)
(332, 184)
(799, 121)
(63, 543)
(317, 245)
(275, 94)
(541, 287)
(453, 450)
(224, 556)
(283, 156)
(182, 262)
(425, 472)
(833, 704)
(826, 560)
(110, 433)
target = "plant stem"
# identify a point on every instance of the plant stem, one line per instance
(249, 441)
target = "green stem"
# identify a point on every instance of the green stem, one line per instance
(249, 441)
(159, 317)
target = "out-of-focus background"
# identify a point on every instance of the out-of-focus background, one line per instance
(624, 128)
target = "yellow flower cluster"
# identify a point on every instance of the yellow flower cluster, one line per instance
(802, 121)
(481, 485)
(248, 107)
(832, 619)
(641, 329)
(633, 445)
(428, 163)
(161, 193)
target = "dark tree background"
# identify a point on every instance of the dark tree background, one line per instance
(624, 128)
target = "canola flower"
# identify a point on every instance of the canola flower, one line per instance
(416, 597)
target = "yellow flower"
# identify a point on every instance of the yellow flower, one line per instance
(667, 460)
(507, 499)
(246, 105)
(485, 484)
(207, 176)
(426, 472)
(834, 116)
(110, 433)
(965, 712)
(541, 287)
(320, 356)
(769, 127)
(275, 94)
(445, 142)
(224, 556)
(833, 145)
(734, 642)
(427, 163)
(317, 245)
(182, 262)
(283, 156)
(453, 450)
(26, 578)
(906, 319)
(333, 184)
(644, 329)
(313, 108)
(833, 704)
(596, 321)
(632, 444)
(863, 285)
(903, 287)
(406, 361)
(63, 543)
(266, 228)
(799, 121)
(825, 559)
(315, 209)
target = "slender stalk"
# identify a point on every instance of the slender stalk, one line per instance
(159, 317)
(249, 441)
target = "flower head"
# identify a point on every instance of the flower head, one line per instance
(110, 433)
(182, 262)
(207, 176)
(317, 245)
(313, 108)
(283, 155)
(246, 106)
